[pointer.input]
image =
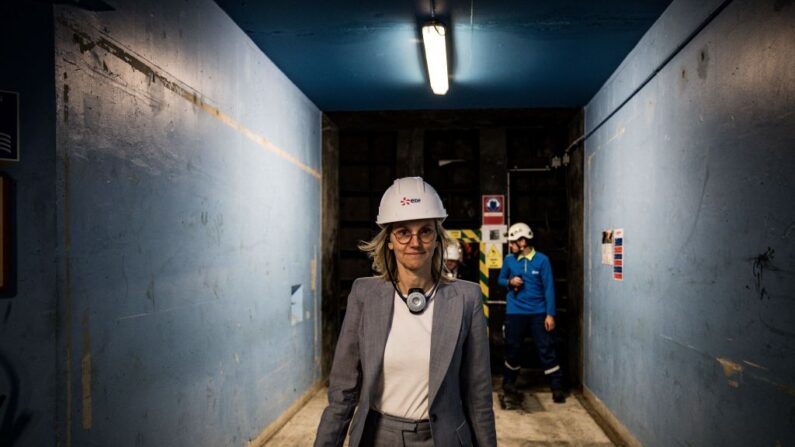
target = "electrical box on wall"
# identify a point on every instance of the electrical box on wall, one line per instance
(495, 234)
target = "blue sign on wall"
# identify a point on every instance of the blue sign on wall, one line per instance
(9, 126)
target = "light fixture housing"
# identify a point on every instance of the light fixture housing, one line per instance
(434, 35)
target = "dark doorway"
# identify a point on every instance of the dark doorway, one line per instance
(464, 154)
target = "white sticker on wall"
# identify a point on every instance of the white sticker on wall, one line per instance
(296, 304)
(607, 247)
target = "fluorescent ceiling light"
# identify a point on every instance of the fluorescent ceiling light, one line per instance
(433, 37)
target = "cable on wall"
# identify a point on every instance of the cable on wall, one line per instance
(651, 76)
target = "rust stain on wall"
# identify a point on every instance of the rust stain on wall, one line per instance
(732, 370)
(313, 273)
(703, 63)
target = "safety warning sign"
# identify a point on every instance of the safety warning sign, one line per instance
(493, 210)
(494, 256)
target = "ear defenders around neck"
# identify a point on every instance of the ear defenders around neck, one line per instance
(416, 299)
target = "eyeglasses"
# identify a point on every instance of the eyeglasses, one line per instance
(425, 234)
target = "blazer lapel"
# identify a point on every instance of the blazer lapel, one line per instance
(447, 313)
(378, 321)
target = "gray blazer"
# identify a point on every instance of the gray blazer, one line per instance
(459, 386)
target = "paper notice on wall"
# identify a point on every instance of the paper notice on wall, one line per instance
(607, 247)
(618, 254)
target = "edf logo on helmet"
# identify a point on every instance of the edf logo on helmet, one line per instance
(425, 202)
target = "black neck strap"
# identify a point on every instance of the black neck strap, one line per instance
(428, 296)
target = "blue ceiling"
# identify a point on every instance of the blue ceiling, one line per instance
(367, 55)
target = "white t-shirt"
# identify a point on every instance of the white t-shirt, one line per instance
(407, 359)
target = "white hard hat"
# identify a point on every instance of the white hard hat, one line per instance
(410, 198)
(453, 253)
(518, 230)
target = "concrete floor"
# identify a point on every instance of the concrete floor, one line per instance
(541, 423)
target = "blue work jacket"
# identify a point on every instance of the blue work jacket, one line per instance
(537, 294)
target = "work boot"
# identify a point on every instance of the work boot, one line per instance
(510, 401)
(510, 398)
(558, 397)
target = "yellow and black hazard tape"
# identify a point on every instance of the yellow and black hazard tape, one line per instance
(467, 236)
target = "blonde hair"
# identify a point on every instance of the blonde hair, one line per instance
(384, 263)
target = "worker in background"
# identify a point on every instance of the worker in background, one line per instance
(411, 368)
(527, 274)
(452, 261)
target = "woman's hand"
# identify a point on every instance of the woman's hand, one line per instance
(549, 323)
(516, 282)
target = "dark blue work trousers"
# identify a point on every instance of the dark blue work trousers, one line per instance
(516, 327)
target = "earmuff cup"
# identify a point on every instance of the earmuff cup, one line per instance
(416, 300)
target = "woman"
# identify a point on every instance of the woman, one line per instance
(413, 353)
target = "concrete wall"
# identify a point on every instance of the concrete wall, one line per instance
(188, 220)
(696, 345)
(27, 314)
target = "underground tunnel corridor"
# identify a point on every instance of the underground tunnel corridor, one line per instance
(184, 186)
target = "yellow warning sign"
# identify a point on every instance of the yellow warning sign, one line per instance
(455, 234)
(494, 256)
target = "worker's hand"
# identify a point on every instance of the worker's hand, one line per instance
(549, 323)
(516, 282)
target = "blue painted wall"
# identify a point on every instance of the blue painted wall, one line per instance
(189, 214)
(697, 345)
(28, 314)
